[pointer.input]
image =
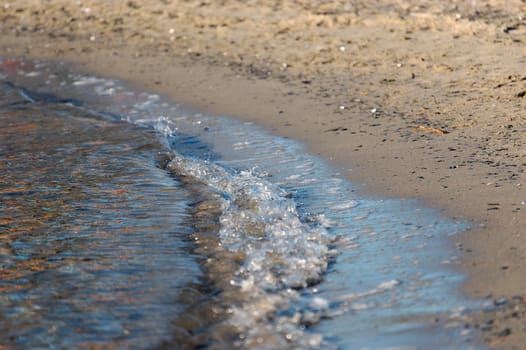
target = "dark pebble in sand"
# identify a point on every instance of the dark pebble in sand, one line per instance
(505, 332)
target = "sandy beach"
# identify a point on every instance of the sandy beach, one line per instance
(417, 99)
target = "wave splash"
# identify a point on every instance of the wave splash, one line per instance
(281, 256)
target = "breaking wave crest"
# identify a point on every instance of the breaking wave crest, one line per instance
(281, 256)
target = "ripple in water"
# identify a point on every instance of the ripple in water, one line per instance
(278, 251)
(93, 246)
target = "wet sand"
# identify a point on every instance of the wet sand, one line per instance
(410, 98)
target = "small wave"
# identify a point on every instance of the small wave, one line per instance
(282, 255)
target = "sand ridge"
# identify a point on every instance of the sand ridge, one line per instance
(412, 98)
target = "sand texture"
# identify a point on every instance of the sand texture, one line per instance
(411, 98)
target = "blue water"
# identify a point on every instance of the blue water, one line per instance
(276, 249)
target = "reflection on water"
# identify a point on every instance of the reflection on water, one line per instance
(92, 242)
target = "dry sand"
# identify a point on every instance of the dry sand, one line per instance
(412, 98)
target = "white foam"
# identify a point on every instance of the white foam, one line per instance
(260, 221)
(82, 81)
(344, 205)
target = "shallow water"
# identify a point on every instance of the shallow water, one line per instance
(135, 222)
(94, 247)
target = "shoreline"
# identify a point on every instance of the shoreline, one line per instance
(438, 116)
